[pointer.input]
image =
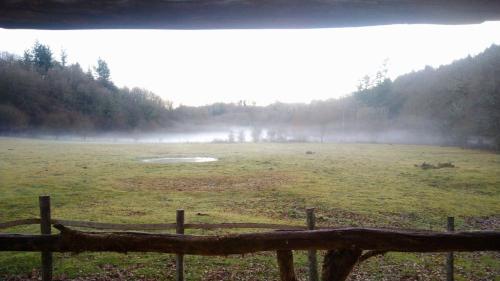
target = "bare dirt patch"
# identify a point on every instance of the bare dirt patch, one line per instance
(426, 166)
(422, 267)
(109, 273)
(257, 181)
(483, 223)
(253, 273)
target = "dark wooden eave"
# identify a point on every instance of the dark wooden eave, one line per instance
(235, 14)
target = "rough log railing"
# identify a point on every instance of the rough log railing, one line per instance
(345, 247)
(71, 240)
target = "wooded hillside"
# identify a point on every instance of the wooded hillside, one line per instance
(39, 93)
(457, 104)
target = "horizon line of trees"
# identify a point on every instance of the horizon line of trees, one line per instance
(40, 93)
(459, 102)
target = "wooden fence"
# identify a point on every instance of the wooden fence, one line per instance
(345, 247)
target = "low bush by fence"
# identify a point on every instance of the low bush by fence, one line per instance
(345, 246)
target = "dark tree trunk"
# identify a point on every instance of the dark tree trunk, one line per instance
(338, 264)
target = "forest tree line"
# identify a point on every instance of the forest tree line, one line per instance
(39, 93)
(459, 102)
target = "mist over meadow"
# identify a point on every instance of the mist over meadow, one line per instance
(458, 104)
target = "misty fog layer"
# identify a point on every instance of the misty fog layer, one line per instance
(173, 160)
(457, 104)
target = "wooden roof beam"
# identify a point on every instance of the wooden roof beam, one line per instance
(239, 14)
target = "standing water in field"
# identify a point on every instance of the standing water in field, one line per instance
(170, 160)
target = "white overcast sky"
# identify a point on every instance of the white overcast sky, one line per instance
(264, 66)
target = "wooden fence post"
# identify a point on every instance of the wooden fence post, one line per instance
(313, 262)
(179, 262)
(285, 264)
(449, 258)
(45, 228)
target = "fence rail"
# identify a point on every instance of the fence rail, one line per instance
(345, 246)
(151, 226)
(71, 240)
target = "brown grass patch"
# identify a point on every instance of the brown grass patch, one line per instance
(483, 223)
(256, 181)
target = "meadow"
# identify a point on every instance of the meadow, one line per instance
(349, 185)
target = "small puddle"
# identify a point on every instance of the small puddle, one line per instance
(170, 160)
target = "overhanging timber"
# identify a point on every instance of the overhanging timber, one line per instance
(236, 14)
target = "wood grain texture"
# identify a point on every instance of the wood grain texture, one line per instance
(222, 14)
(285, 265)
(45, 229)
(311, 254)
(179, 259)
(70, 240)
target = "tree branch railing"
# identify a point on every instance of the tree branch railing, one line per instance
(345, 247)
(71, 240)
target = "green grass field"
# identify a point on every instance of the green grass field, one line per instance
(349, 184)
